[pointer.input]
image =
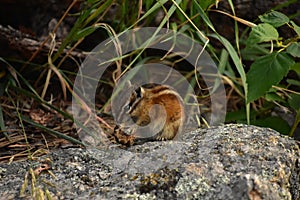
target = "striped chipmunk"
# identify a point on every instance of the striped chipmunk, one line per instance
(152, 112)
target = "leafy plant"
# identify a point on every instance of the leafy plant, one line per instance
(270, 68)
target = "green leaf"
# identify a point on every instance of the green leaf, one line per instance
(85, 32)
(294, 102)
(262, 33)
(296, 28)
(293, 82)
(239, 66)
(296, 68)
(206, 4)
(265, 72)
(294, 49)
(274, 18)
(275, 123)
(272, 96)
(255, 51)
(204, 16)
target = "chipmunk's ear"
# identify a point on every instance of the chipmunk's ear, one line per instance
(140, 91)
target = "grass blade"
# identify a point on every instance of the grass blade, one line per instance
(60, 135)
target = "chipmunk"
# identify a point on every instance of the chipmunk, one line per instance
(157, 110)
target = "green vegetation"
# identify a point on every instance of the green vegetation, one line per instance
(274, 57)
(255, 67)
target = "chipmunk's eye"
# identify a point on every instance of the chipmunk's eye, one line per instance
(127, 107)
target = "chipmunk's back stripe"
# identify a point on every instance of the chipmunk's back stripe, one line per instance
(165, 90)
(159, 89)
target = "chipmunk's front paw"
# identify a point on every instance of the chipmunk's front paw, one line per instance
(123, 138)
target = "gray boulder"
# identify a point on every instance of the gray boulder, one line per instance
(224, 162)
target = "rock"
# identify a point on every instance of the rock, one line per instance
(224, 162)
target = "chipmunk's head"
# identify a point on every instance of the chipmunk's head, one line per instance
(139, 105)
